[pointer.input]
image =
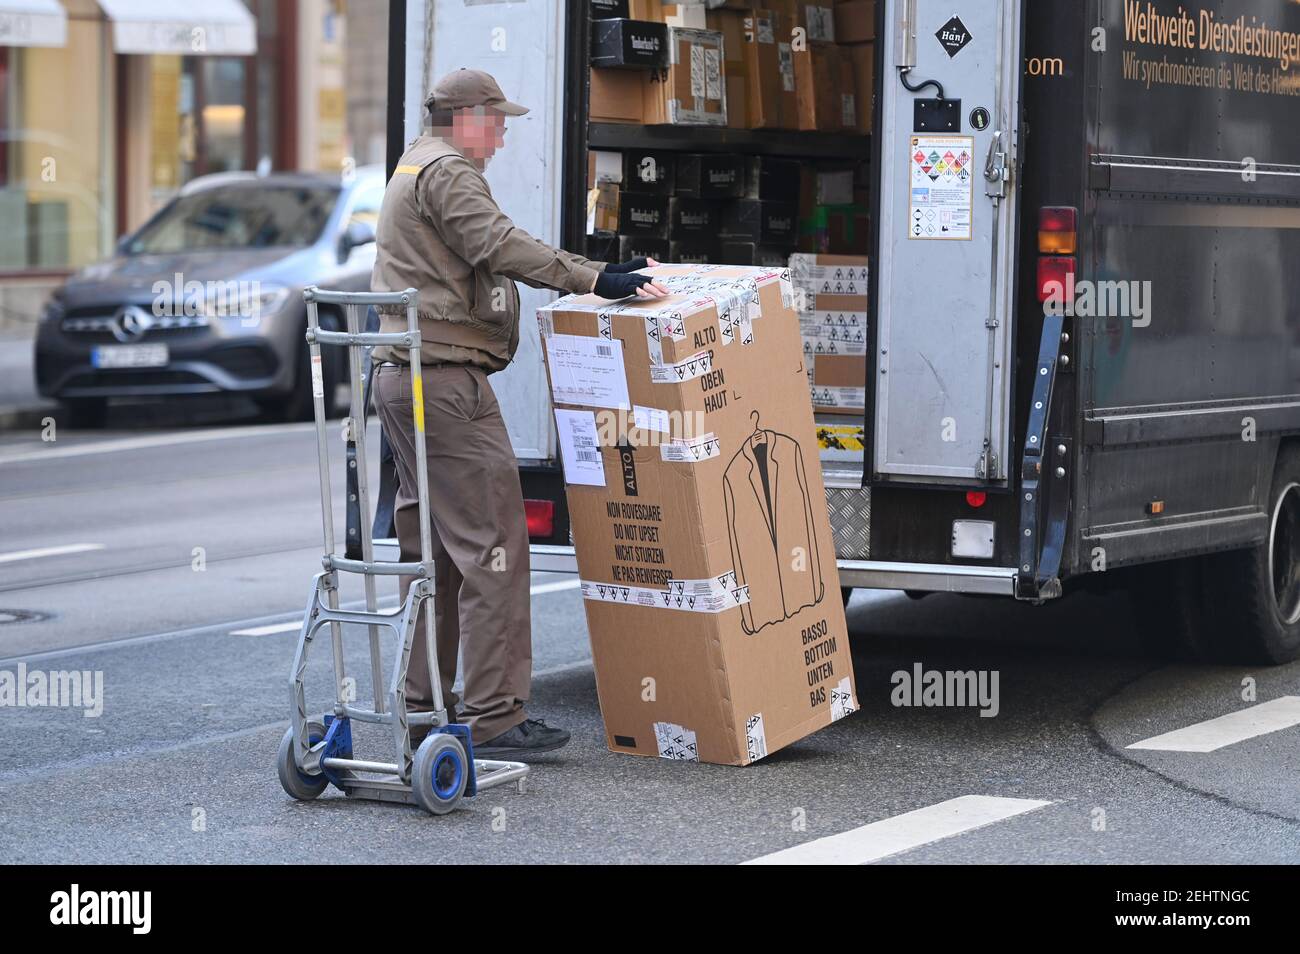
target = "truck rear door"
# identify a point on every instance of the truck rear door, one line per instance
(944, 293)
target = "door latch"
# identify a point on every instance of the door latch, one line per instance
(996, 173)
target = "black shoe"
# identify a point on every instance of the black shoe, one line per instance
(530, 737)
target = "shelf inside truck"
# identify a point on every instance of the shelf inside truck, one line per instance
(757, 142)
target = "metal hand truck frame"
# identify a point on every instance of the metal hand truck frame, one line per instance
(316, 753)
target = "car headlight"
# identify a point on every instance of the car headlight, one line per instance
(52, 310)
(249, 302)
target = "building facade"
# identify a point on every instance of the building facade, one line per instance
(108, 107)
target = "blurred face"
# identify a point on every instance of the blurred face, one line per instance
(478, 132)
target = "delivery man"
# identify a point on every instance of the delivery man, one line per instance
(441, 232)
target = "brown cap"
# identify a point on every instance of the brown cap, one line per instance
(465, 88)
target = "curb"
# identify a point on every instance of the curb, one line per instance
(21, 418)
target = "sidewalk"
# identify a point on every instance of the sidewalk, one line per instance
(20, 406)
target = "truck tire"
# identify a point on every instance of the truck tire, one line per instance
(1253, 596)
(1238, 607)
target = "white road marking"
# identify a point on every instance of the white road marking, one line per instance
(295, 625)
(555, 587)
(1272, 716)
(289, 627)
(891, 836)
(17, 555)
(152, 440)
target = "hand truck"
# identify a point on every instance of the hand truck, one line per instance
(317, 752)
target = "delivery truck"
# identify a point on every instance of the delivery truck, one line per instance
(1080, 365)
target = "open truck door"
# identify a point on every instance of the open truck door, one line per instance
(946, 144)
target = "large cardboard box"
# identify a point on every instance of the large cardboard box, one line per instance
(691, 92)
(830, 293)
(769, 68)
(855, 21)
(862, 56)
(825, 99)
(618, 96)
(704, 546)
(735, 70)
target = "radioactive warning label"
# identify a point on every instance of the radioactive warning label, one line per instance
(942, 187)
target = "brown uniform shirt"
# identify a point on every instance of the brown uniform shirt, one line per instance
(441, 232)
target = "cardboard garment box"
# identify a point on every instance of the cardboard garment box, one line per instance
(706, 558)
(691, 92)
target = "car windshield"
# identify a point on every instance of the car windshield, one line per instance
(238, 216)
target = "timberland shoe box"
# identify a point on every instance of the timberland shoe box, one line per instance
(706, 556)
(694, 252)
(642, 214)
(691, 92)
(710, 176)
(629, 44)
(645, 170)
(694, 220)
(761, 222)
(641, 246)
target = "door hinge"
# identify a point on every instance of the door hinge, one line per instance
(987, 466)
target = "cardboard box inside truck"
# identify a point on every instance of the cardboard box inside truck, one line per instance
(831, 297)
(691, 92)
(769, 70)
(703, 542)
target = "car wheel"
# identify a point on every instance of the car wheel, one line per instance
(86, 413)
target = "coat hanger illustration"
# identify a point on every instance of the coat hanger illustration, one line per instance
(759, 436)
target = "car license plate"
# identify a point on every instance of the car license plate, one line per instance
(130, 356)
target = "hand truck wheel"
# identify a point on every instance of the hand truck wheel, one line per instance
(439, 773)
(294, 780)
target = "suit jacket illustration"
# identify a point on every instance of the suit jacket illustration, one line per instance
(769, 520)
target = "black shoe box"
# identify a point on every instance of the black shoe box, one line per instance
(609, 9)
(760, 222)
(733, 252)
(694, 253)
(776, 180)
(642, 214)
(646, 170)
(710, 176)
(640, 246)
(629, 44)
(694, 219)
(602, 246)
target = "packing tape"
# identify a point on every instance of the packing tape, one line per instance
(697, 365)
(842, 701)
(676, 743)
(690, 596)
(705, 447)
(755, 737)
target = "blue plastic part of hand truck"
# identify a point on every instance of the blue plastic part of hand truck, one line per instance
(461, 732)
(338, 745)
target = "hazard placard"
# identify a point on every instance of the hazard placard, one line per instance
(941, 179)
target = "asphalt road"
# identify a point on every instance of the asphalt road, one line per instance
(145, 551)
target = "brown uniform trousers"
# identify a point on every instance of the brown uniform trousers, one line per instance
(480, 543)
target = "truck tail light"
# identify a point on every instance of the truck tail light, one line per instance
(541, 517)
(1055, 276)
(976, 498)
(1058, 230)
